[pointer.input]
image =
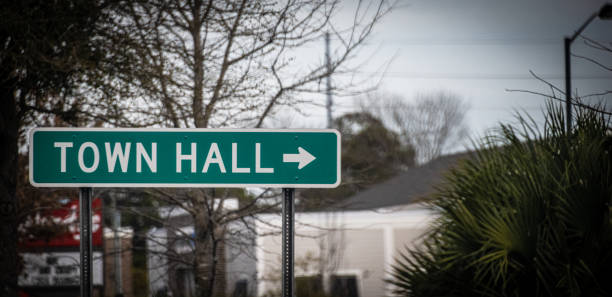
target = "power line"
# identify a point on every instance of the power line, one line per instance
(475, 76)
(468, 41)
(475, 41)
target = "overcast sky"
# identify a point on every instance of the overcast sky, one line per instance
(478, 49)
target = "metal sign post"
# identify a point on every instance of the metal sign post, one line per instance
(288, 285)
(85, 246)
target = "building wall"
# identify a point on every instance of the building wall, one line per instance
(412, 236)
(236, 263)
(157, 263)
(366, 242)
(240, 259)
(364, 254)
(126, 266)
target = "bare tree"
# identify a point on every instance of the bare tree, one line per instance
(197, 63)
(225, 63)
(432, 123)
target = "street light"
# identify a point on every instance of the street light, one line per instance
(605, 13)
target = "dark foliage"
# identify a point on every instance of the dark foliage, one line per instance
(371, 153)
(529, 215)
(44, 45)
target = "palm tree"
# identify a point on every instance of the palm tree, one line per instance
(527, 215)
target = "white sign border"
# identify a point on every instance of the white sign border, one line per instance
(177, 185)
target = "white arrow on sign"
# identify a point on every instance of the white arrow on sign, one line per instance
(303, 157)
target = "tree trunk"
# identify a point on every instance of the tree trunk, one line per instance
(209, 261)
(9, 129)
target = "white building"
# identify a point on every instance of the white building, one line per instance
(349, 250)
(356, 248)
(170, 250)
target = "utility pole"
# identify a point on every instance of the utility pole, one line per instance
(328, 82)
(324, 245)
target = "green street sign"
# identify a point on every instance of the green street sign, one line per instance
(97, 157)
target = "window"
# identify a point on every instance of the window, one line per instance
(51, 260)
(66, 281)
(40, 281)
(309, 286)
(65, 269)
(185, 282)
(241, 288)
(344, 286)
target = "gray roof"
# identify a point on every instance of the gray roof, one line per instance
(405, 188)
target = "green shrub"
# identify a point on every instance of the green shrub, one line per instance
(527, 215)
